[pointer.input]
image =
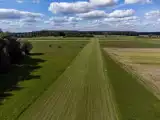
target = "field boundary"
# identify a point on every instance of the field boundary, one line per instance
(114, 107)
(112, 92)
(138, 77)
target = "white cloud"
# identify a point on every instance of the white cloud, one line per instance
(126, 23)
(79, 6)
(122, 13)
(98, 14)
(95, 14)
(103, 2)
(30, 20)
(16, 14)
(59, 19)
(63, 20)
(19, 1)
(74, 19)
(69, 8)
(153, 14)
(21, 25)
(12, 19)
(132, 18)
(153, 17)
(137, 1)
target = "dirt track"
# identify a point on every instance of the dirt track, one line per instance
(82, 92)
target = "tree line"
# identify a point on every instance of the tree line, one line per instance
(12, 51)
(44, 33)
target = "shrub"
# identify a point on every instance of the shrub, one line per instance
(50, 45)
(12, 51)
(26, 47)
(59, 46)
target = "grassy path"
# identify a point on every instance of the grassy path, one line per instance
(82, 92)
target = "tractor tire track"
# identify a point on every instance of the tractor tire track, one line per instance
(97, 101)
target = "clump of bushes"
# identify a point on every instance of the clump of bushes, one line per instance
(83, 44)
(59, 46)
(12, 50)
(26, 47)
(50, 45)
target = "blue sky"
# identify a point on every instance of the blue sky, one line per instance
(31, 15)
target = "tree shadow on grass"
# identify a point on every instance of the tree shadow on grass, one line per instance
(35, 54)
(19, 72)
(4, 95)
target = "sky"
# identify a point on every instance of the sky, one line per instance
(93, 15)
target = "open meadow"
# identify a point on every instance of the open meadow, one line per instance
(99, 78)
(57, 39)
(24, 84)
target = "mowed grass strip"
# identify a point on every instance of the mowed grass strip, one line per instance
(135, 102)
(23, 85)
(97, 101)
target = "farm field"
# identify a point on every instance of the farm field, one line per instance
(134, 98)
(80, 60)
(24, 84)
(144, 62)
(82, 92)
(84, 79)
(134, 101)
(142, 43)
(57, 39)
(117, 38)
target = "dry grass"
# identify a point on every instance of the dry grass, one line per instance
(145, 63)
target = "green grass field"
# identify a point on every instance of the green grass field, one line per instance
(57, 38)
(71, 79)
(80, 89)
(21, 87)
